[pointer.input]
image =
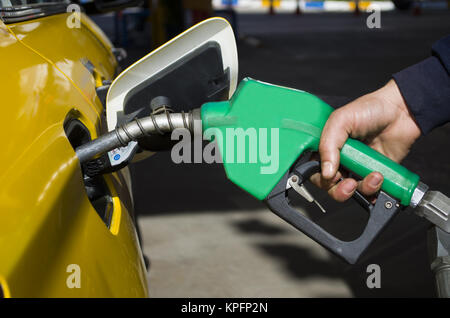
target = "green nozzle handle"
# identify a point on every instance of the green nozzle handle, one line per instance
(299, 117)
(399, 182)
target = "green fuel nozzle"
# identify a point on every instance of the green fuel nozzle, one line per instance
(265, 134)
(298, 118)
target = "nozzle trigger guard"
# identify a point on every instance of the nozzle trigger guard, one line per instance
(381, 214)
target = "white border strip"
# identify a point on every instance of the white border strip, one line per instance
(289, 6)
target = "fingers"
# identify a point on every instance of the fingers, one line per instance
(334, 136)
(344, 189)
(338, 190)
(371, 184)
(323, 183)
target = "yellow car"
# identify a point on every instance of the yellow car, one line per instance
(65, 231)
(61, 235)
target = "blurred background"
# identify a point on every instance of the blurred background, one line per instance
(207, 238)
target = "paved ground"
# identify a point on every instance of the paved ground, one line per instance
(207, 238)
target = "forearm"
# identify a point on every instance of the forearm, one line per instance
(426, 87)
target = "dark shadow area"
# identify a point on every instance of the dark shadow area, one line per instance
(398, 265)
(396, 280)
(335, 54)
(300, 263)
(400, 251)
(161, 187)
(256, 226)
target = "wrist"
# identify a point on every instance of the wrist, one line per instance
(391, 95)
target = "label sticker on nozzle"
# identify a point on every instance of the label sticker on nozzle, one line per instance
(120, 155)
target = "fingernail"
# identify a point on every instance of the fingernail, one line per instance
(327, 170)
(348, 187)
(375, 180)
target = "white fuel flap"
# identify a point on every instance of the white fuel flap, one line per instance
(197, 66)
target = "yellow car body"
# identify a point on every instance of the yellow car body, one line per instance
(53, 243)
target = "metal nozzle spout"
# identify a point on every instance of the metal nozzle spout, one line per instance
(435, 207)
(154, 124)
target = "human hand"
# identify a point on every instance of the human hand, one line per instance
(383, 121)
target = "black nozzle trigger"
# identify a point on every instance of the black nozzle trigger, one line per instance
(381, 213)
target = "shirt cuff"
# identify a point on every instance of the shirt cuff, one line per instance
(426, 89)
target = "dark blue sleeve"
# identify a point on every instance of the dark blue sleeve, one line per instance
(426, 87)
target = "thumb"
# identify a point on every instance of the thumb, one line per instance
(334, 135)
